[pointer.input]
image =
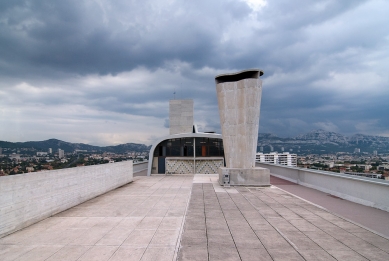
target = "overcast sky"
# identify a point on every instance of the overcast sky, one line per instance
(102, 71)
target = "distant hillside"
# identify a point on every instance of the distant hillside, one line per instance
(70, 147)
(321, 142)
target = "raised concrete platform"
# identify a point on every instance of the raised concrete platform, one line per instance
(244, 177)
(144, 220)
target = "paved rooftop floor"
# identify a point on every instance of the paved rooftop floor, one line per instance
(150, 219)
(369, 217)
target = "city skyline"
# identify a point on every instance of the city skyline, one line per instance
(103, 73)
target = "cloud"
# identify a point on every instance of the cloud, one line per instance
(102, 72)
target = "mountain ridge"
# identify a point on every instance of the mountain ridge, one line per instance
(56, 144)
(315, 141)
(320, 141)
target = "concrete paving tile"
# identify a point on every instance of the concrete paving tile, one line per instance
(252, 214)
(316, 255)
(220, 241)
(88, 237)
(302, 242)
(233, 214)
(115, 237)
(260, 224)
(129, 222)
(15, 238)
(171, 223)
(98, 253)
(375, 240)
(374, 254)
(246, 241)
(272, 240)
(11, 252)
(225, 254)
(157, 212)
(214, 213)
(194, 224)
(286, 213)
(150, 223)
(329, 243)
(140, 237)
(69, 253)
(268, 213)
(357, 243)
(346, 255)
(239, 223)
(128, 253)
(285, 254)
(216, 223)
(160, 254)
(281, 224)
(303, 225)
(140, 212)
(192, 253)
(346, 225)
(64, 223)
(39, 253)
(44, 238)
(254, 254)
(84, 222)
(175, 212)
(165, 238)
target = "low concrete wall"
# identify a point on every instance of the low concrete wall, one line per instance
(140, 166)
(366, 191)
(28, 198)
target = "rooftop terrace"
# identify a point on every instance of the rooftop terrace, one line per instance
(191, 217)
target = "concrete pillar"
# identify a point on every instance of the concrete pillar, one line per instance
(239, 98)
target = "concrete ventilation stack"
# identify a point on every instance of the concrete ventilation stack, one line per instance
(239, 98)
(180, 116)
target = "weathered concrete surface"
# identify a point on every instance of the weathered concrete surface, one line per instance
(366, 191)
(143, 220)
(28, 198)
(245, 177)
(139, 221)
(247, 223)
(180, 116)
(239, 109)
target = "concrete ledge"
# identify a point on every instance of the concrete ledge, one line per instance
(366, 191)
(140, 166)
(28, 198)
(245, 177)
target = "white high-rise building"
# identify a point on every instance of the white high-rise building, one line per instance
(50, 151)
(61, 153)
(275, 158)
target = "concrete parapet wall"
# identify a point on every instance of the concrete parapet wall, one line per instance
(366, 191)
(139, 166)
(28, 198)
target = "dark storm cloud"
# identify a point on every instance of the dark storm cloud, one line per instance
(88, 37)
(325, 61)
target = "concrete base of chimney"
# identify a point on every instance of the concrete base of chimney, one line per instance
(244, 177)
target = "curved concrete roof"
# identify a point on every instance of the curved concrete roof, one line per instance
(237, 76)
(178, 136)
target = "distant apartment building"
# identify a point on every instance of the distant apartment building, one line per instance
(275, 158)
(50, 151)
(14, 156)
(61, 153)
(357, 150)
(41, 154)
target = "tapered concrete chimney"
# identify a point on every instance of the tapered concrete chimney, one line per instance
(239, 97)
